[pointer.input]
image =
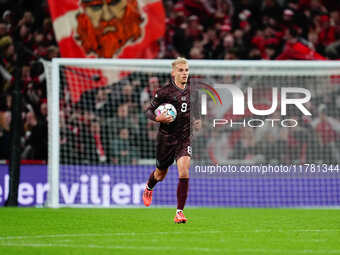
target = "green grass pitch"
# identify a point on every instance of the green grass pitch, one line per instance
(152, 231)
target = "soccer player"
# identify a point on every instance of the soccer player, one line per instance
(173, 140)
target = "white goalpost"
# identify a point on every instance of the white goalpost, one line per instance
(101, 147)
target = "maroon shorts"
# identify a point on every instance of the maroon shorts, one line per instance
(169, 148)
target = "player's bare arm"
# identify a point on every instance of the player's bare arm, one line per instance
(163, 118)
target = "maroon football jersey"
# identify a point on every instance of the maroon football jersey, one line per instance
(180, 99)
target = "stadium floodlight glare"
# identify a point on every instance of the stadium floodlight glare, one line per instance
(101, 146)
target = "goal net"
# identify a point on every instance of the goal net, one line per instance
(270, 134)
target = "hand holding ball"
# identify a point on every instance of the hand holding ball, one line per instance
(168, 111)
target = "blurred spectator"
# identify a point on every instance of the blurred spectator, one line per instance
(67, 133)
(129, 96)
(327, 34)
(196, 53)
(121, 151)
(271, 8)
(148, 134)
(182, 40)
(271, 141)
(328, 130)
(124, 119)
(295, 49)
(5, 121)
(96, 134)
(52, 52)
(245, 147)
(36, 134)
(150, 90)
(112, 126)
(102, 105)
(88, 141)
(212, 47)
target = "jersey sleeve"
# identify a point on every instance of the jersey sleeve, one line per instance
(154, 103)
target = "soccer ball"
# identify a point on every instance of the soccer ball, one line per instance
(169, 109)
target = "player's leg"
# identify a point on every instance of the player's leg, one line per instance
(183, 166)
(165, 155)
(156, 176)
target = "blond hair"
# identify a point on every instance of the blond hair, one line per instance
(179, 61)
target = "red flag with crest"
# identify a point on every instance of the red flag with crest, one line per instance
(108, 28)
(104, 29)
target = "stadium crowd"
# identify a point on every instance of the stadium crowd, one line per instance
(195, 29)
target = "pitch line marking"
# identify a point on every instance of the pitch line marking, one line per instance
(106, 234)
(155, 239)
(165, 233)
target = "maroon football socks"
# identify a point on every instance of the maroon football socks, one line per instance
(152, 181)
(182, 192)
